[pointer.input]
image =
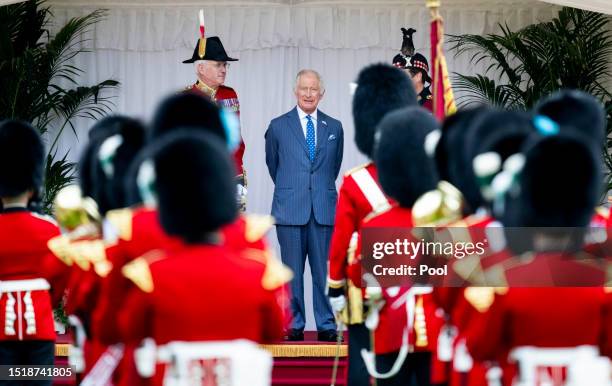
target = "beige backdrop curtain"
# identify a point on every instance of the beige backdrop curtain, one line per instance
(142, 46)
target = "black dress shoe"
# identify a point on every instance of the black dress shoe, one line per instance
(294, 335)
(327, 336)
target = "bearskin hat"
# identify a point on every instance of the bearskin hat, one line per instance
(380, 88)
(450, 145)
(577, 111)
(194, 184)
(22, 158)
(450, 151)
(496, 130)
(102, 129)
(187, 110)
(405, 170)
(559, 185)
(110, 161)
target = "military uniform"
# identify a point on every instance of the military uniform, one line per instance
(236, 304)
(227, 98)
(211, 48)
(31, 284)
(32, 281)
(359, 195)
(408, 323)
(539, 317)
(28, 272)
(426, 322)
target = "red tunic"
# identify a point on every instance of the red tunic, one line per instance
(541, 317)
(144, 236)
(392, 321)
(25, 256)
(352, 208)
(139, 233)
(226, 97)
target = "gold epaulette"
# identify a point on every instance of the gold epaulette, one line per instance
(121, 219)
(481, 298)
(257, 226)
(357, 168)
(275, 273)
(138, 270)
(469, 269)
(60, 248)
(92, 253)
(97, 255)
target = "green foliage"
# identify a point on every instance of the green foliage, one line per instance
(34, 71)
(573, 50)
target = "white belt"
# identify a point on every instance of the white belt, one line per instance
(11, 315)
(249, 364)
(24, 285)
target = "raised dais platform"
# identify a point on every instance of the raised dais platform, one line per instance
(295, 363)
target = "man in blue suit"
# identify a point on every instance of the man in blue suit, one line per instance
(303, 153)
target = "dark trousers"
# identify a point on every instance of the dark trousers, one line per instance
(297, 242)
(32, 352)
(358, 338)
(416, 369)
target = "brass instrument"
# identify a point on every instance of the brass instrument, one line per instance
(77, 214)
(438, 207)
(81, 244)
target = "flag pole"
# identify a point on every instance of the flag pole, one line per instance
(443, 99)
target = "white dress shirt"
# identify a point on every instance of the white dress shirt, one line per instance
(304, 121)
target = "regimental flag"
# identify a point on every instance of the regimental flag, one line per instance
(441, 89)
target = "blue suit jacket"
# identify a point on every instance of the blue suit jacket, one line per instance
(299, 185)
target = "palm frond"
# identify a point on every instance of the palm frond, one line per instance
(487, 49)
(67, 43)
(480, 89)
(82, 102)
(58, 174)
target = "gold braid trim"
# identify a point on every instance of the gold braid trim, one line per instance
(304, 350)
(211, 92)
(122, 221)
(257, 226)
(62, 349)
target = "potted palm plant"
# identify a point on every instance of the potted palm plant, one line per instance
(573, 50)
(35, 68)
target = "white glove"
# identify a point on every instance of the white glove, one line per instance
(338, 303)
(241, 191)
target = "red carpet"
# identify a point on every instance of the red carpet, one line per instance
(307, 363)
(295, 363)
